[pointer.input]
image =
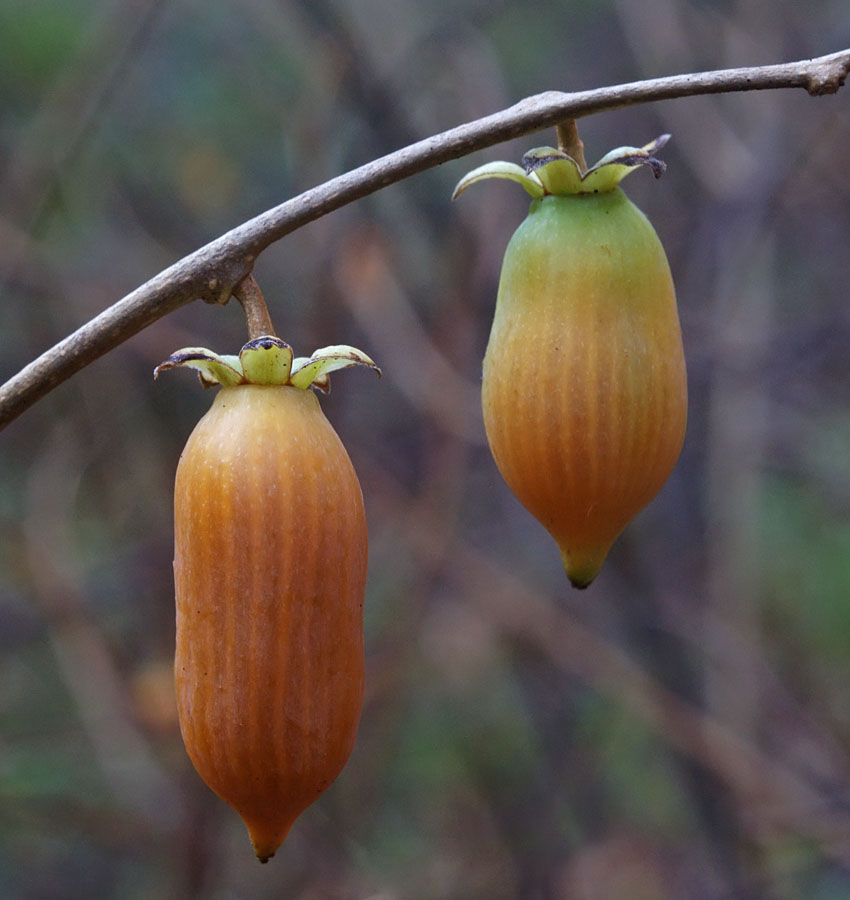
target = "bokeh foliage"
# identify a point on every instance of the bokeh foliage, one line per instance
(679, 730)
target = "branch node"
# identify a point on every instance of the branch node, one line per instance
(827, 76)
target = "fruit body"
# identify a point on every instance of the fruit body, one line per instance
(270, 570)
(584, 389)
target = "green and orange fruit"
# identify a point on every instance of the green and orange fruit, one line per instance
(584, 390)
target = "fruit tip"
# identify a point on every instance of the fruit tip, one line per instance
(580, 584)
(266, 839)
(264, 854)
(581, 572)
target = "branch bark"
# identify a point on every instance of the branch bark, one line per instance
(212, 272)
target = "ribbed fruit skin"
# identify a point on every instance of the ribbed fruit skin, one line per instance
(584, 390)
(270, 573)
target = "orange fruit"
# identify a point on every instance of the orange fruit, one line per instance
(270, 572)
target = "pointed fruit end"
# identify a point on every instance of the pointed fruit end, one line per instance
(579, 582)
(266, 840)
(582, 568)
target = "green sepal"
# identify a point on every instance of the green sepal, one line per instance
(614, 166)
(314, 370)
(547, 170)
(558, 172)
(266, 360)
(528, 180)
(213, 368)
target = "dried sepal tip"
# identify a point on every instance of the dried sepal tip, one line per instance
(213, 368)
(314, 370)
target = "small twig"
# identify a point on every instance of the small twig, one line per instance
(212, 272)
(257, 317)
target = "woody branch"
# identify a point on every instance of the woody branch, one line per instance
(213, 272)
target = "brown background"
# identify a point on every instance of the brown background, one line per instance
(681, 729)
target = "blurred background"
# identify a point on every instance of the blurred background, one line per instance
(679, 730)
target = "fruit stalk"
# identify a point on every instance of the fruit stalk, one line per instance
(257, 317)
(570, 143)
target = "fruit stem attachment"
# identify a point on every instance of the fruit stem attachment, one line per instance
(257, 317)
(570, 143)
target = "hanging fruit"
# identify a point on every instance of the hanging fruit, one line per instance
(270, 572)
(584, 389)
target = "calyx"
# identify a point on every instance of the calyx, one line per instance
(267, 360)
(547, 170)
